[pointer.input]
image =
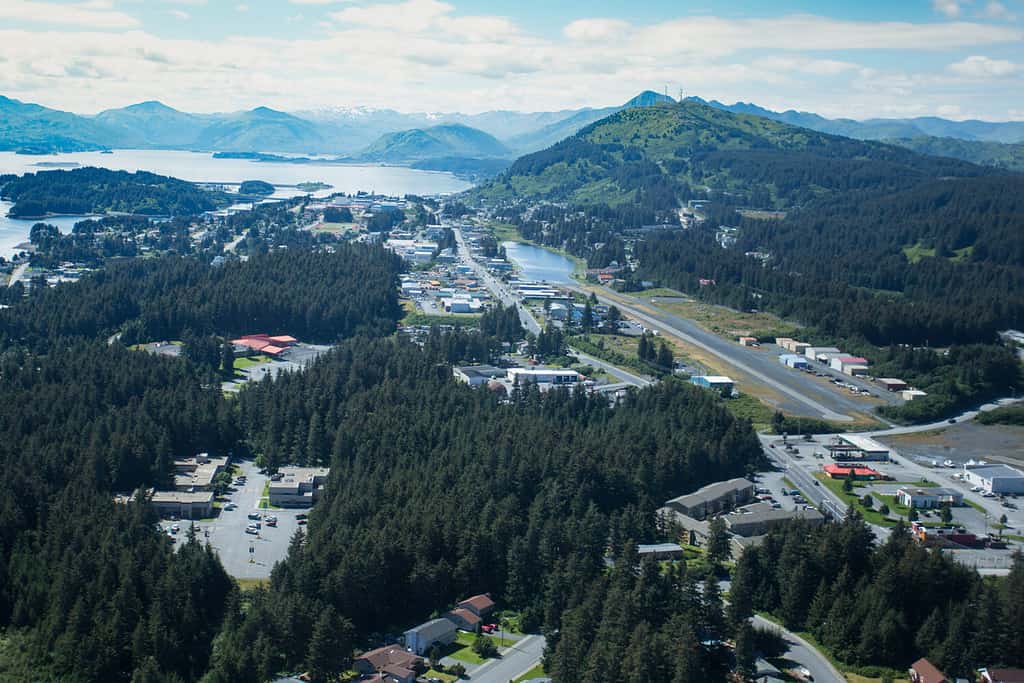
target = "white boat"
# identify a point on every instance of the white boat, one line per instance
(949, 463)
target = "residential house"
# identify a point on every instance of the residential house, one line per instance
(923, 671)
(464, 619)
(424, 637)
(1001, 675)
(480, 605)
(392, 660)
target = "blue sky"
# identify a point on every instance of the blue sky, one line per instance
(953, 58)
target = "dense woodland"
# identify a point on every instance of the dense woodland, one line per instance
(883, 605)
(99, 190)
(314, 296)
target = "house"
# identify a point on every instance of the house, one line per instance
(298, 486)
(480, 605)
(660, 551)
(392, 660)
(424, 637)
(1001, 675)
(994, 478)
(928, 497)
(713, 498)
(852, 472)
(923, 671)
(464, 619)
(719, 383)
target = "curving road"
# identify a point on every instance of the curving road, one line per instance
(616, 372)
(803, 653)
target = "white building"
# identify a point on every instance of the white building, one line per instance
(553, 376)
(298, 486)
(849, 365)
(424, 637)
(995, 478)
(794, 361)
(931, 497)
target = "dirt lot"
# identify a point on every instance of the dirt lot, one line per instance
(962, 442)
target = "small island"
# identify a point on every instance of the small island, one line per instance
(314, 186)
(256, 187)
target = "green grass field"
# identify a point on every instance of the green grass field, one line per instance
(535, 672)
(246, 362)
(871, 515)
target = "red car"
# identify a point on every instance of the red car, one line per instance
(488, 628)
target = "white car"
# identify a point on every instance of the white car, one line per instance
(230, 506)
(805, 672)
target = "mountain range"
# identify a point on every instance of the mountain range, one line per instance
(395, 137)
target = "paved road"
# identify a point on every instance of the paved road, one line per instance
(769, 371)
(498, 289)
(618, 373)
(798, 471)
(17, 274)
(514, 662)
(801, 652)
(943, 424)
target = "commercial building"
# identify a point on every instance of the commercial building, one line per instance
(994, 478)
(853, 447)
(263, 343)
(423, 638)
(298, 486)
(198, 473)
(760, 518)
(792, 345)
(852, 472)
(912, 394)
(792, 360)
(462, 303)
(928, 497)
(475, 375)
(197, 505)
(551, 376)
(822, 353)
(747, 341)
(723, 385)
(713, 498)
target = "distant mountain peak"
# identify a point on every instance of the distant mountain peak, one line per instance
(150, 106)
(649, 98)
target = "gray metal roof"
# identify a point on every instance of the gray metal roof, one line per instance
(712, 492)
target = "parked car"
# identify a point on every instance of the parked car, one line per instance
(175, 528)
(271, 522)
(251, 530)
(254, 514)
(487, 628)
(230, 506)
(276, 477)
(301, 522)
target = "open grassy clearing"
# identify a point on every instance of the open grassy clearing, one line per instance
(535, 672)
(251, 584)
(335, 228)
(728, 323)
(246, 362)
(871, 515)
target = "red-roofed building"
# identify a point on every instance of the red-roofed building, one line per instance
(852, 472)
(264, 343)
(284, 339)
(464, 619)
(480, 605)
(273, 350)
(923, 671)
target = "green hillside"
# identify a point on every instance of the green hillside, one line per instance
(998, 154)
(659, 155)
(453, 140)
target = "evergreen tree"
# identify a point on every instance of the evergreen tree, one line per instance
(330, 648)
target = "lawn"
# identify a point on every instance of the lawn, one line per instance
(463, 650)
(246, 362)
(871, 515)
(535, 672)
(250, 584)
(433, 673)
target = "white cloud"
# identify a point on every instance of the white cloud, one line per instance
(997, 10)
(983, 68)
(242, 8)
(93, 14)
(180, 14)
(592, 30)
(951, 8)
(314, 2)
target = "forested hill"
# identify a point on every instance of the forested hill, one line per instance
(99, 190)
(660, 155)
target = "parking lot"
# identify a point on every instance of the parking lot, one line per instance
(248, 556)
(295, 358)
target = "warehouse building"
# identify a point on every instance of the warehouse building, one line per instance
(849, 365)
(892, 384)
(197, 505)
(995, 478)
(551, 376)
(821, 353)
(475, 375)
(935, 497)
(792, 360)
(723, 385)
(853, 447)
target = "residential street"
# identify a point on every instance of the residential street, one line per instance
(514, 662)
(801, 652)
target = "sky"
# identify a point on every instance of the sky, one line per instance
(894, 58)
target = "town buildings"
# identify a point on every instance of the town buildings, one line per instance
(996, 479)
(938, 496)
(720, 383)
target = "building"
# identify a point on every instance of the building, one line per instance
(660, 551)
(1001, 675)
(792, 360)
(464, 619)
(852, 472)
(821, 353)
(392, 660)
(853, 447)
(480, 605)
(923, 671)
(849, 365)
(892, 384)
(928, 497)
(719, 383)
(553, 376)
(198, 473)
(475, 375)
(747, 341)
(792, 345)
(197, 505)
(436, 632)
(713, 498)
(298, 486)
(995, 478)
(758, 519)
(911, 394)
(462, 303)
